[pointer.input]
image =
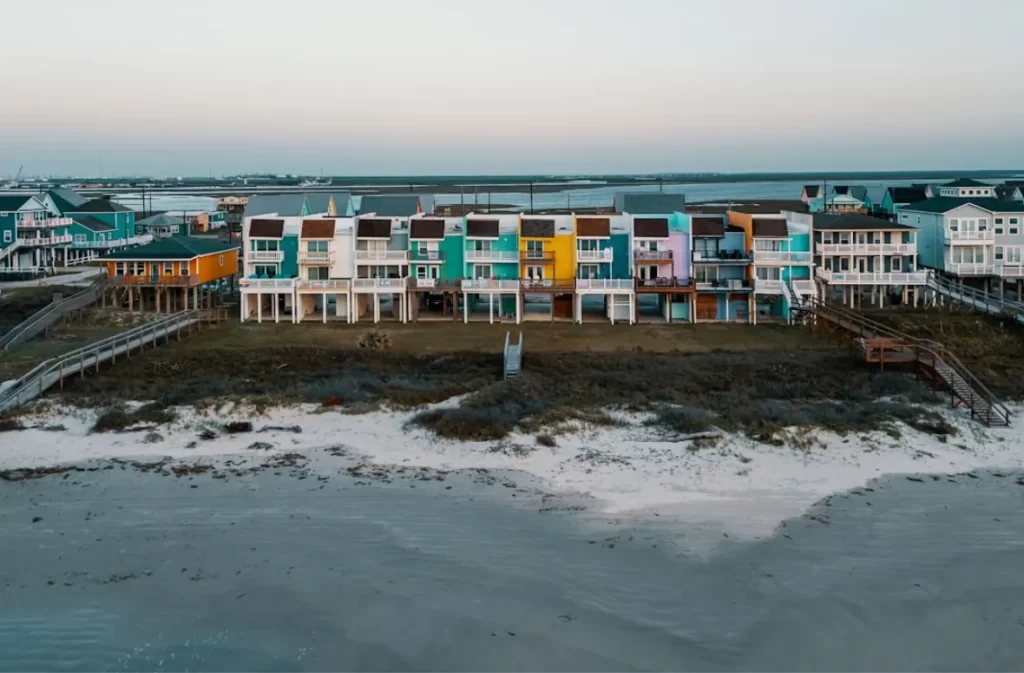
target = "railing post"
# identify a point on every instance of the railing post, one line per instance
(81, 365)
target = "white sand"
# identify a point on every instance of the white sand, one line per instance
(631, 471)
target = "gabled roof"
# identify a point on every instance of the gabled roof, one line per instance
(764, 227)
(650, 203)
(876, 193)
(856, 223)
(159, 220)
(966, 182)
(373, 228)
(318, 202)
(92, 224)
(100, 206)
(390, 205)
(175, 248)
(282, 205)
(266, 228)
(12, 203)
(907, 194)
(944, 204)
(840, 189)
(316, 229)
(65, 200)
(424, 228)
(707, 226)
(859, 192)
(811, 191)
(341, 201)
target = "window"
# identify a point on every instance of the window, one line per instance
(482, 270)
(1013, 255)
(79, 238)
(8, 236)
(769, 273)
(983, 224)
(266, 270)
(534, 249)
(535, 272)
(1013, 231)
(999, 220)
(421, 271)
(897, 263)
(768, 245)
(1013, 220)
(316, 246)
(482, 246)
(317, 272)
(119, 269)
(168, 268)
(589, 244)
(999, 229)
(706, 248)
(954, 225)
(184, 268)
(221, 260)
(999, 253)
(589, 271)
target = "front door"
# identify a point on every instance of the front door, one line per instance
(481, 271)
(862, 265)
(648, 272)
(535, 272)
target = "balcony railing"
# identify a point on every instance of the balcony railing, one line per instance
(45, 223)
(866, 249)
(971, 269)
(604, 284)
(873, 277)
(45, 240)
(604, 255)
(162, 281)
(547, 283)
(316, 256)
(375, 284)
(537, 256)
(426, 256)
(652, 255)
(382, 255)
(266, 256)
(766, 286)
(725, 285)
(492, 284)
(141, 239)
(766, 257)
(324, 284)
(723, 257)
(971, 236)
(267, 283)
(492, 255)
(434, 284)
(1010, 270)
(663, 283)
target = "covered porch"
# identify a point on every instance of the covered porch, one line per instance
(329, 299)
(270, 297)
(599, 300)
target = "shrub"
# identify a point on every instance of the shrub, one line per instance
(154, 412)
(547, 440)
(9, 424)
(683, 420)
(467, 423)
(236, 427)
(375, 340)
(113, 420)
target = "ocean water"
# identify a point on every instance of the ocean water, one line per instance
(136, 571)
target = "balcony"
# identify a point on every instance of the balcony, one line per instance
(154, 281)
(971, 269)
(324, 284)
(780, 258)
(1010, 270)
(35, 242)
(604, 284)
(316, 256)
(652, 255)
(45, 223)
(437, 284)
(378, 256)
(765, 286)
(663, 284)
(265, 256)
(490, 285)
(492, 255)
(379, 284)
(873, 278)
(115, 243)
(723, 257)
(266, 284)
(725, 285)
(537, 256)
(865, 249)
(604, 255)
(970, 236)
(427, 256)
(547, 284)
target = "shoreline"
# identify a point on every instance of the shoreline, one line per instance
(627, 473)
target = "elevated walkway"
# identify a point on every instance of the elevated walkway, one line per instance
(883, 345)
(513, 359)
(979, 300)
(48, 315)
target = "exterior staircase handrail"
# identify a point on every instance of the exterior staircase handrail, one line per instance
(934, 350)
(49, 314)
(946, 287)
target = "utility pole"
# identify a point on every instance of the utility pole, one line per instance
(531, 198)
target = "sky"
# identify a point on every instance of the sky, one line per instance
(462, 87)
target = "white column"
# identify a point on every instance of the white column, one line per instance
(259, 307)
(376, 307)
(242, 306)
(465, 308)
(323, 304)
(519, 310)
(490, 307)
(277, 308)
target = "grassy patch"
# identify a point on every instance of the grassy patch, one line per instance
(116, 419)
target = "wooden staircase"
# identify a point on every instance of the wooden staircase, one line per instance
(513, 358)
(883, 345)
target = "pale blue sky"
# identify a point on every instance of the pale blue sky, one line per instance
(371, 87)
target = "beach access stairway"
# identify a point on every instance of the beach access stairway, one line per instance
(41, 320)
(882, 344)
(76, 362)
(977, 299)
(513, 358)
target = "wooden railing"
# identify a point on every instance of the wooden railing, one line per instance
(42, 319)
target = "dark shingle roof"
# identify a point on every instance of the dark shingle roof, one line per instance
(175, 248)
(855, 223)
(944, 204)
(650, 203)
(770, 228)
(100, 206)
(907, 194)
(373, 228)
(317, 229)
(708, 226)
(92, 224)
(266, 228)
(422, 228)
(390, 205)
(966, 182)
(12, 203)
(480, 228)
(537, 228)
(841, 189)
(593, 227)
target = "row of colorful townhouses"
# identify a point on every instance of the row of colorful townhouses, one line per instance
(61, 228)
(649, 261)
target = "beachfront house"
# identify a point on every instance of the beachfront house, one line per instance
(660, 259)
(337, 204)
(857, 256)
(381, 266)
(30, 234)
(436, 264)
(270, 266)
(325, 266)
(838, 203)
(782, 262)
(977, 237)
(604, 281)
(547, 265)
(967, 188)
(170, 275)
(898, 197)
(721, 270)
(491, 274)
(810, 193)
